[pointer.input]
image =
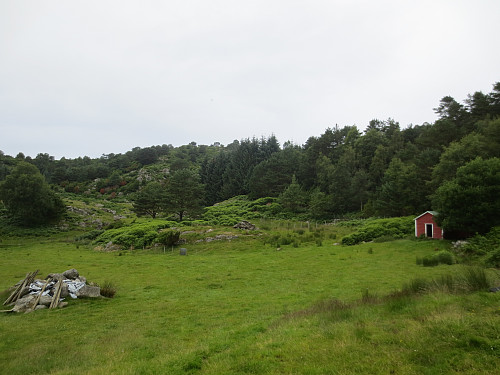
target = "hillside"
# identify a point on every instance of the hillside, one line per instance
(384, 171)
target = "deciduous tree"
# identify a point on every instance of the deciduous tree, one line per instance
(28, 197)
(470, 202)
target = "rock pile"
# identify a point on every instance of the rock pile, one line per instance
(34, 294)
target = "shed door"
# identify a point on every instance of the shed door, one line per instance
(428, 230)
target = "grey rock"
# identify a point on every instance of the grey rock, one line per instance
(56, 276)
(25, 303)
(41, 307)
(71, 274)
(64, 290)
(45, 300)
(244, 225)
(89, 291)
(62, 304)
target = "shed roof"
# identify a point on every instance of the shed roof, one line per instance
(433, 213)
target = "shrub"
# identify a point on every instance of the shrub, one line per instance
(92, 235)
(136, 235)
(445, 257)
(168, 237)
(108, 289)
(393, 228)
(442, 257)
(430, 261)
(493, 258)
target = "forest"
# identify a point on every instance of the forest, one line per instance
(451, 165)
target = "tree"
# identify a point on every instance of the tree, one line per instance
(184, 193)
(149, 200)
(28, 197)
(271, 176)
(399, 194)
(470, 202)
(293, 198)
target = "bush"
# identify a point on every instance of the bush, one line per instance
(393, 228)
(108, 289)
(442, 257)
(484, 248)
(493, 258)
(168, 237)
(92, 235)
(136, 235)
(430, 261)
(445, 257)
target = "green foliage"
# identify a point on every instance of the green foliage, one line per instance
(168, 237)
(376, 228)
(484, 248)
(294, 198)
(89, 236)
(136, 235)
(398, 195)
(149, 200)
(470, 202)
(28, 198)
(184, 193)
(339, 172)
(466, 280)
(240, 208)
(442, 257)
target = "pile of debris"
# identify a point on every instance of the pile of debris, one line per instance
(34, 294)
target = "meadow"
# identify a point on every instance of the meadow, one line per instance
(244, 307)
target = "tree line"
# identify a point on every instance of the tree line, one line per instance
(385, 170)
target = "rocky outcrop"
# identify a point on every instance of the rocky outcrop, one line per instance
(245, 225)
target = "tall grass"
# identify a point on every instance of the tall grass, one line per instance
(467, 279)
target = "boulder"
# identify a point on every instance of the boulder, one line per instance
(25, 303)
(71, 274)
(89, 291)
(56, 276)
(45, 300)
(40, 307)
(64, 290)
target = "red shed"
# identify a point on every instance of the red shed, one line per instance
(425, 225)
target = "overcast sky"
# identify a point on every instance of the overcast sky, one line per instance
(97, 77)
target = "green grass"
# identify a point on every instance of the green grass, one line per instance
(241, 307)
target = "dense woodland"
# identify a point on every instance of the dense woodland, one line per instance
(384, 171)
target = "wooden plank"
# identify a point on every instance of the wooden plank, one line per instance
(57, 295)
(30, 276)
(40, 295)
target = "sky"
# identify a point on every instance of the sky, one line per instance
(93, 77)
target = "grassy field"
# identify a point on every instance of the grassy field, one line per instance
(242, 307)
